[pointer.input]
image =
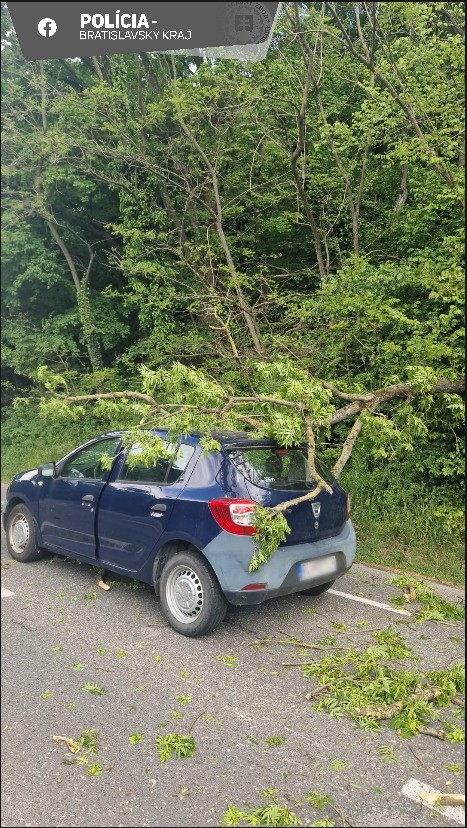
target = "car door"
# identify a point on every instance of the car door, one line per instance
(68, 503)
(136, 505)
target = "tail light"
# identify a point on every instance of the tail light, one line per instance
(347, 506)
(235, 516)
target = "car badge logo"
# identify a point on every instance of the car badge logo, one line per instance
(316, 511)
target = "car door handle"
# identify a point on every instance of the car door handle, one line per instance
(158, 509)
(87, 499)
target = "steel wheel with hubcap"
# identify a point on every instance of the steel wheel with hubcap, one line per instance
(191, 598)
(184, 594)
(19, 533)
(21, 536)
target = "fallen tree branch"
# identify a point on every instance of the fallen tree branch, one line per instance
(430, 731)
(343, 395)
(387, 711)
(292, 422)
(111, 395)
(347, 447)
(370, 401)
(324, 687)
(287, 504)
(399, 391)
(295, 642)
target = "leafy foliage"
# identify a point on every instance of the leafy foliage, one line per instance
(88, 740)
(172, 744)
(228, 660)
(82, 749)
(317, 800)
(271, 815)
(273, 741)
(366, 687)
(433, 608)
(270, 531)
(386, 753)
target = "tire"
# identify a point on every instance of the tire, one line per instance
(21, 535)
(318, 590)
(191, 598)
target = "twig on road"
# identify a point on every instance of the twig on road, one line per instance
(422, 765)
(195, 720)
(29, 629)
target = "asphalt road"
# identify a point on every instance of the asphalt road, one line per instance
(56, 617)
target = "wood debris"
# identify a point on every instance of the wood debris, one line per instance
(100, 579)
(387, 711)
(442, 798)
(72, 746)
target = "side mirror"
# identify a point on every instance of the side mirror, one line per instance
(47, 470)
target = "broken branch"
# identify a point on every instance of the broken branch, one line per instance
(387, 711)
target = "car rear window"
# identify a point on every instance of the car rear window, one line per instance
(274, 468)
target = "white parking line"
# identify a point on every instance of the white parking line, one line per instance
(7, 593)
(412, 790)
(368, 601)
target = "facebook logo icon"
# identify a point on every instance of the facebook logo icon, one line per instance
(47, 27)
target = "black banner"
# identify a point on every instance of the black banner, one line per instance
(58, 30)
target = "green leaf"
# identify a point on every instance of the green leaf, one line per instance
(337, 764)
(172, 744)
(93, 689)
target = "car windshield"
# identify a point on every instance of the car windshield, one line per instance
(274, 468)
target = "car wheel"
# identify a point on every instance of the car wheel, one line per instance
(191, 598)
(318, 590)
(21, 536)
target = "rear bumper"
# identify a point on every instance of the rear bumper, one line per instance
(291, 584)
(229, 555)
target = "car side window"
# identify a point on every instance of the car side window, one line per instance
(86, 464)
(164, 472)
(180, 462)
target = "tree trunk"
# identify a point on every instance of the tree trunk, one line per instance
(404, 193)
(296, 154)
(243, 304)
(82, 293)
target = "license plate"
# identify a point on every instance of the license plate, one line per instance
(317, 569)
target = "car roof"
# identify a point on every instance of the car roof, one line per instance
(225, 437)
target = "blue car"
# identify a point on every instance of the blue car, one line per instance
(184, 524)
